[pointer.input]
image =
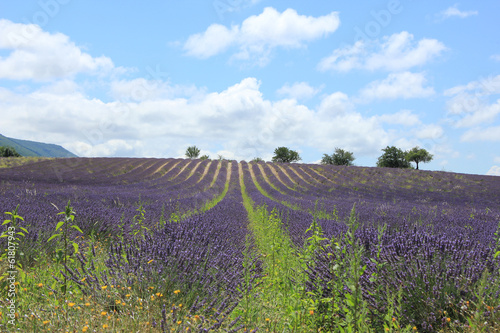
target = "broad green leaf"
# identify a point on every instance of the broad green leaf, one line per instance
(77, 228)
(24, 229)
(53, 236)
(59, 224)
(75, 246)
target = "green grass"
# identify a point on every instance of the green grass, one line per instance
(9, 162)
(45, 301)
(277, 304)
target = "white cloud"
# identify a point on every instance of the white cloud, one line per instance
(41, 56)
(483, 87)
(453, 11)
(429, 131)
(258, 35)
(491, 134)
(397, 85)
(141, 89)
(495, 57)
(394, 53)
(470, 105)
(497, 159)
(334, 105)
(481, 114)
(403, 117)
(494, 171)
(237, 119)
(114, 147)
(216, 39)
(299, 90)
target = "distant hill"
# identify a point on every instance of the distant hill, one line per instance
(33, 148)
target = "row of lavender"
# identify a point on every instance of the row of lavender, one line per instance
(438, 241)
(471, 202)
(106, 193)
(200, 256)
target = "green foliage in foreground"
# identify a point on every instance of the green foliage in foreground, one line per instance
(278, 302)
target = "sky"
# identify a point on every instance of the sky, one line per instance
(239, 78)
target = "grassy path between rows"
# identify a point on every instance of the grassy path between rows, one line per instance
(277, 304)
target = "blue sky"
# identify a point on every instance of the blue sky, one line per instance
(239, 78)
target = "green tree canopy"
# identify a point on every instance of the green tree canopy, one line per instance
(192, 152)
(204, 157)
(393, 157)
(8, 152)
(257, 159)
(418, 155)
(340, 157)
(285, 155)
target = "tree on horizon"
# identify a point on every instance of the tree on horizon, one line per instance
(192, 152)
(393, 157)
(418, 155)
(8, 152)
(340, 157)
(285, 155)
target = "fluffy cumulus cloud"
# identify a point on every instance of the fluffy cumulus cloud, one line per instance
(429, 131)
(453, 11)
(482, 87)
(216, 39)
(494, 171)
(488, 134)
(246, 124)
(397, 85)
(258, 35)
(41, 56)
(403, 117)
(142, 89)
(475, 103)
(298, 90)
(393, 53)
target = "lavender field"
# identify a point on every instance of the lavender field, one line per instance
(175, 245)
